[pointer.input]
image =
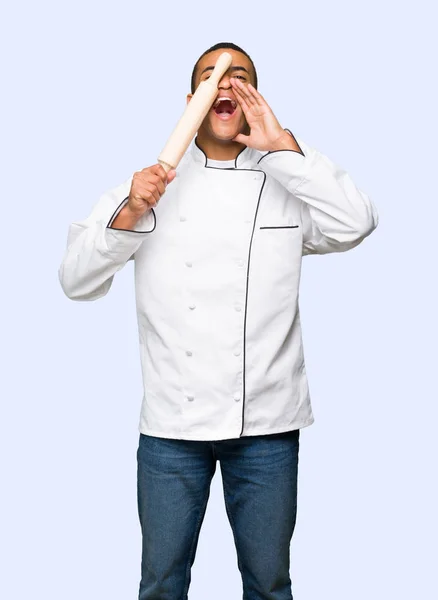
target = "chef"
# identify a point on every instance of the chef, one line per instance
(217, 249)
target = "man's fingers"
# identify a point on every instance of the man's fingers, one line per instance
(150, 183)
(258, 97)
(244, 91)
(150, 192)
(157, 181)
(148, 186)
(171, 175)
(241, 139)
(238, 93)
(161, 187)
(156, 170)
(252, 96)
(241, 100)
(147, 177)
(159, 170)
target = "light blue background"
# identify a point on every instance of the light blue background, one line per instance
(91, 91)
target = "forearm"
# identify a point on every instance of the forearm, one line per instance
(338, 214)
(95, 252)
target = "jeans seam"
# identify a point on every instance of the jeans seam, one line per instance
(233, 527)
(195, 537)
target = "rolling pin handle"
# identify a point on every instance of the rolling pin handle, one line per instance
(165, 165)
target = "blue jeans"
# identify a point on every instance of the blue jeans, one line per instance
(259, 475)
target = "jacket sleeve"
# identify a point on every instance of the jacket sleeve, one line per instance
(336, 216)
(96, 251)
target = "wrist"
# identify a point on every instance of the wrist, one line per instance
(284, 142)
(126, 219)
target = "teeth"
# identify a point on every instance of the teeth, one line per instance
(233, 102)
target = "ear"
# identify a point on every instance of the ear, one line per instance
(189, 97)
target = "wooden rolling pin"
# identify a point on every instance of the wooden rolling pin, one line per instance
(195, 112)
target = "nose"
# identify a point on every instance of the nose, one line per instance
(224, 83)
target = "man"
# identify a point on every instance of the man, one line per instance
(217, 248)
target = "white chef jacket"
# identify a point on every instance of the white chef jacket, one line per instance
(217, 272)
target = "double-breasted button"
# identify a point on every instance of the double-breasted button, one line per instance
(237, 396)
(237, 352)
(189, 353)
(192, 306)
(190, 398)
(182, 218)
(188, 263)
(237, 308)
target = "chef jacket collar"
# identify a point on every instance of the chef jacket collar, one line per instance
(245, 156)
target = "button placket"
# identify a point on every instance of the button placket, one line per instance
(189, 265)
(238, 352)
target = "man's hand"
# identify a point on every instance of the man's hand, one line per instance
(266, 132)
(147, 187)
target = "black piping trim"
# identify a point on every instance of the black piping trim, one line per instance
(246, 295)
(196, 142)
(282, 150)
(235, 169)
(130, 230)
(280, 227)
(289, 131)
(235, 162)
(225, 168)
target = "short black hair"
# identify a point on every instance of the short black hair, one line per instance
(222, 45)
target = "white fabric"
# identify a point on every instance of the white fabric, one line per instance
(221, 164)
(217, 272)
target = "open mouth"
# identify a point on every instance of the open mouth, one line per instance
(225, 108)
